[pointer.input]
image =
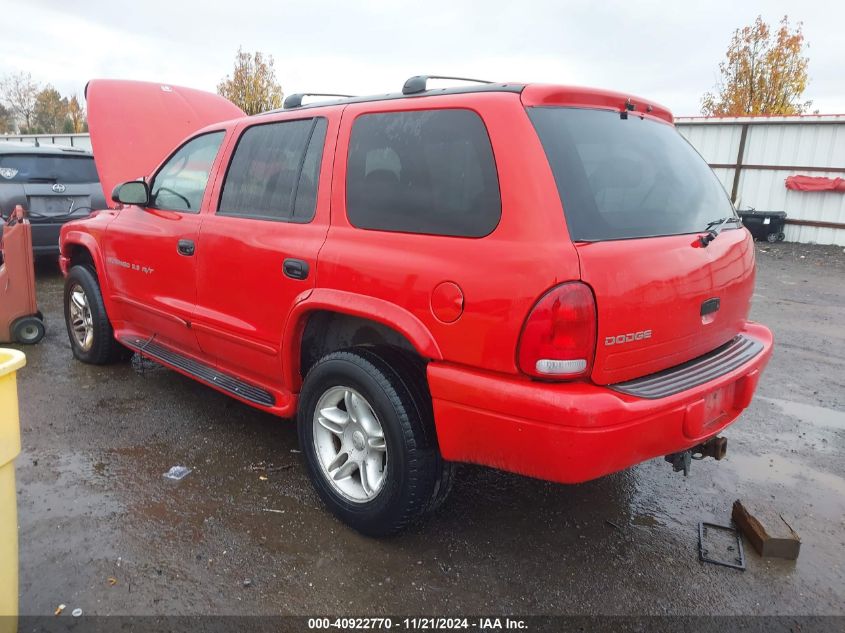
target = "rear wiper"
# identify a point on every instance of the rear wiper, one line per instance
(715, 227)
(42, 179)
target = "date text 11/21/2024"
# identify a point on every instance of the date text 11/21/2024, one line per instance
(417, 624)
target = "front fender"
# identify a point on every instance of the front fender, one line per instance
(77, 236)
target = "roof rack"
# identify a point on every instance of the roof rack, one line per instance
(418, 83)
(295, 100)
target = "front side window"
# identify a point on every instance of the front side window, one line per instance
(180, 184)
(274, 171)
(428, 171)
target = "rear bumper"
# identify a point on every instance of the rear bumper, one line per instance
(573, 432)
(45, 237)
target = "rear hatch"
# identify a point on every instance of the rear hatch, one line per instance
(52, 187)
(636, 197)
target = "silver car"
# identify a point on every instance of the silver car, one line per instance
(54, 183)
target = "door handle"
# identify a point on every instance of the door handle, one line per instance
(186, 247)
(295, 268)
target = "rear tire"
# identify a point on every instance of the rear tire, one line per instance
(88, 328)
(386, 494)
(28, 330)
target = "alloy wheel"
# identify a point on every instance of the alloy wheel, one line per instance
(350, 445)
(82, 324)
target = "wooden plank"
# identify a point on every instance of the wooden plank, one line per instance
(823, 225)
(767, 530)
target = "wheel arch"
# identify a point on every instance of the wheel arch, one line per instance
(79, 247)
(352, 319)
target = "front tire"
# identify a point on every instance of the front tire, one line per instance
(88, 328)
(367, 437)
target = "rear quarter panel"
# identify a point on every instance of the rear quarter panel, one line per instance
(501, 275)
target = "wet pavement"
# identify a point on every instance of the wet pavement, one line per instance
(243, 533)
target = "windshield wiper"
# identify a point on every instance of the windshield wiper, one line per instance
(42, 179)
(715, 227)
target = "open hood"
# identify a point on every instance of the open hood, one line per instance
(134, 125)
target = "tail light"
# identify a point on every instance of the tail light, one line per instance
(558, 339)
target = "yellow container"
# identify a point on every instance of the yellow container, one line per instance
(10, 445)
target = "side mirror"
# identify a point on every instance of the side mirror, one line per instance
(132, 192)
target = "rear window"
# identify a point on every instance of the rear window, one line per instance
(627, 178)
(34, 168)
(426, 171)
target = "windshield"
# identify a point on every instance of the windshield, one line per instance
(47, 168)
(626, 178)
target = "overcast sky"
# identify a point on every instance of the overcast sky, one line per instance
(665, 50)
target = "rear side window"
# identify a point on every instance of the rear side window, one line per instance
(423, 172)
(627, 178)
(273, 174)
(35, 168)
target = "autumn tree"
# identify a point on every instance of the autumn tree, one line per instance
(19, 93)
(76, 115)
(252, 85)
(764, 72)
(51, 111)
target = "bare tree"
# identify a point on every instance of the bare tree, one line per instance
(19, 92)
(7, 120)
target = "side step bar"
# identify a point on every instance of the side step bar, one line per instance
(201, 371)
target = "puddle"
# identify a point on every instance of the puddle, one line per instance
(771, 468)
(810, 413)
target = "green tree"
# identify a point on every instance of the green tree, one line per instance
(18, 92)
(51, 111)
(764, 72)
(252, 86)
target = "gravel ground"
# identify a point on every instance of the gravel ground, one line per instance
(101, 529)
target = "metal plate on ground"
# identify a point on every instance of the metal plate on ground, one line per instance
(720, 545)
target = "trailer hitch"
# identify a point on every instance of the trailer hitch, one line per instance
(715, 447)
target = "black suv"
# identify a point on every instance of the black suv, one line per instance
(54, 183)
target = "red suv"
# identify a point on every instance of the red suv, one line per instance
(542, 279)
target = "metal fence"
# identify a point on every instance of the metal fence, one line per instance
(82, 141)
(753, 156)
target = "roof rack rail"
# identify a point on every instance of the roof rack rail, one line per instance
(295, 100)
(418, 83)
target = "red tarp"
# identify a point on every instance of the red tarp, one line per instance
(809, 183)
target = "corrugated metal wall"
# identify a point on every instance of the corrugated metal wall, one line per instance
(777, 147)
